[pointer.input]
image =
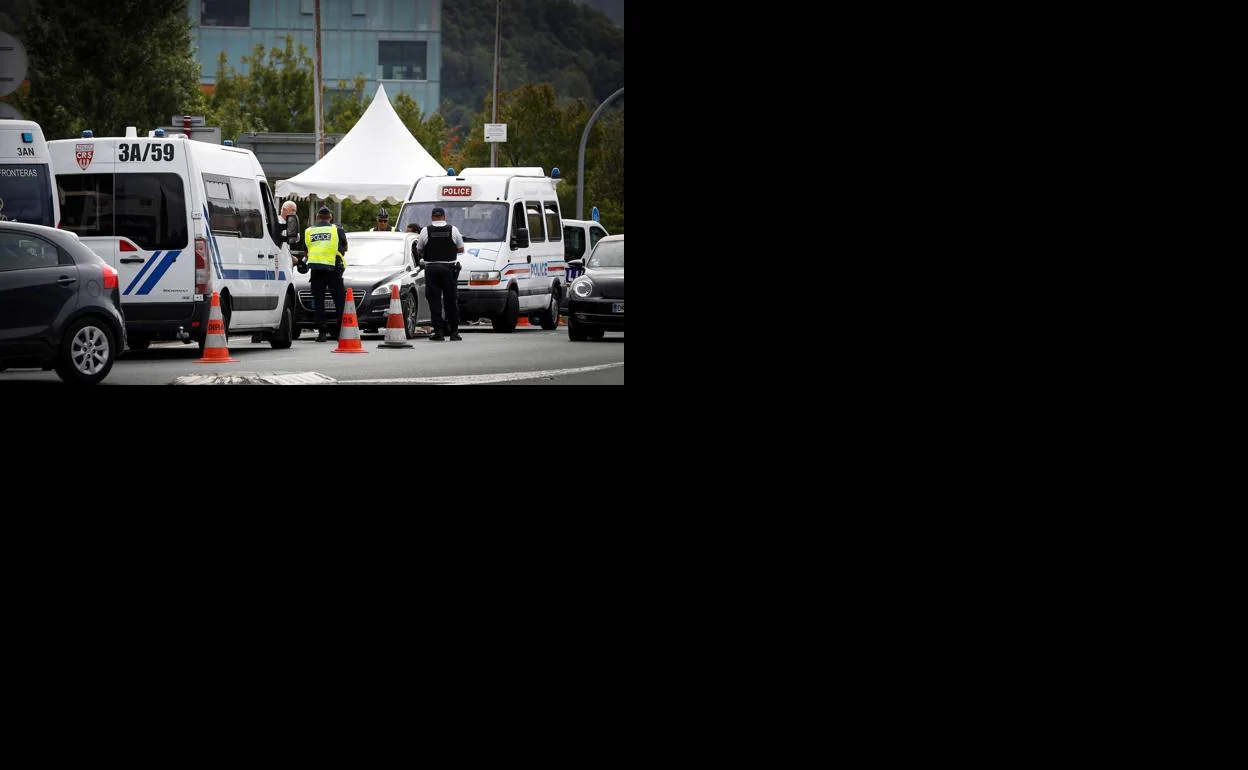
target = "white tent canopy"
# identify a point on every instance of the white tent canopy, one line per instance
(377, 161)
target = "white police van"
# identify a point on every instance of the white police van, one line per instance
(179, 220)
(27, 193)
(513, 263)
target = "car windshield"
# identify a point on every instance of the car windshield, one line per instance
(607, 254)
(476, 221)
(362, 252)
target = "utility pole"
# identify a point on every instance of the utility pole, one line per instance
(316, 76)
(498, 16)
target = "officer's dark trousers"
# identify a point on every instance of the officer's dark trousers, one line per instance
(327, 278)
(440, 278)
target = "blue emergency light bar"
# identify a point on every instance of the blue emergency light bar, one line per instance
(28, 137)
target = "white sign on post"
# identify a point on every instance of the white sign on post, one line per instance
(495, 132)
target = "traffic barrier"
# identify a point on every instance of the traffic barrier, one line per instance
(215, 349)
(349, 329)
(396, 330)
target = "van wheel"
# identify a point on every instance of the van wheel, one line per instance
(409, 315)
(284, 336)
(550, 319)
(506, 323)
(87, 353)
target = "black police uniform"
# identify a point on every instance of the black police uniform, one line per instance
(440, 279)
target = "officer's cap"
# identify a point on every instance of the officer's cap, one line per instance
(323, 211)
(438, 212)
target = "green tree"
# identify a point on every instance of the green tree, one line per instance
(574, 47)
(541, 133)
(274, 93)
(129, 64)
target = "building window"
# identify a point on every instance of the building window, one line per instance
(401, 60)
(225, 13)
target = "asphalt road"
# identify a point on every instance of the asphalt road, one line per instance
(528, 356)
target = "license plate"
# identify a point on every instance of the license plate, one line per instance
(618, 307)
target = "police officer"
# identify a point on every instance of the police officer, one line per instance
(326, 244)
(440, 243)
(383, 222)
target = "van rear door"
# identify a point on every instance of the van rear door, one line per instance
(84, 183)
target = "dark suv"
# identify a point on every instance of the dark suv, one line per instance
(60, 305)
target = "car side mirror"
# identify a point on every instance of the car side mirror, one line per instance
(520, 239)
(579, 264)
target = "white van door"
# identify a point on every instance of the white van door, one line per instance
(277, 252)
(84, 184)
(235, 234)
(151, 222)
(533, 296)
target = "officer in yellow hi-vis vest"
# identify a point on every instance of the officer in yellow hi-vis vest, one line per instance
(326, 244)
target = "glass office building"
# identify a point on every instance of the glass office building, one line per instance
(396, 42)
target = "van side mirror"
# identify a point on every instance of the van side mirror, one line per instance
(579, 264)
(520, 239)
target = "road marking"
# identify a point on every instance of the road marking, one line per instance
(256, 378)
(482, 379)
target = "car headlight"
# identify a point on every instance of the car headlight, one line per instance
(382, 289)
(490, 276)
(582, 287)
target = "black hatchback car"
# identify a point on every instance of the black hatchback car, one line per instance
(596, 299)
(60, 305)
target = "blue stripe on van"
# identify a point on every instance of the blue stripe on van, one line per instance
(262, 275)
(156, 275)
(139, 276)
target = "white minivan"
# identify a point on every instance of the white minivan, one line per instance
(179, 220)
(513, 263)
(27, 193)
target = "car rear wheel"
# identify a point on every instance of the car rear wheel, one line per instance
(87, 352)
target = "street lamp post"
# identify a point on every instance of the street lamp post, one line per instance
(498, 15)
(580, 158)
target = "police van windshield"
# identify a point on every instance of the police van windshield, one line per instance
(476, 221)
(26, 194)
(364, 252)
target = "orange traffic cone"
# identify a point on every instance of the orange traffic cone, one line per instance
(396, 330)
(215, 349)
(523, 321)
(349, 329)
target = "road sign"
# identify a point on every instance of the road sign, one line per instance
(12, 63)
(593, 213)
(197, 121)
(495, 132)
